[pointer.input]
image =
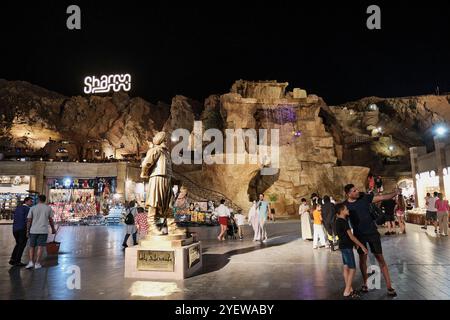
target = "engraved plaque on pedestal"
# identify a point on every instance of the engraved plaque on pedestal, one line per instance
(194, 255)
(151, 260)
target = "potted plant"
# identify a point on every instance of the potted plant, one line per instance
(53, 247)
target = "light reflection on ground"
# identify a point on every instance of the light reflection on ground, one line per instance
(150, 289)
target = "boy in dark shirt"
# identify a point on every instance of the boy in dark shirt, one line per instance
(346, 243)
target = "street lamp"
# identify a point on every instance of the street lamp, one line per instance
(373, 107)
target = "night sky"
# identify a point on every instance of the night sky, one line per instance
(200, 49)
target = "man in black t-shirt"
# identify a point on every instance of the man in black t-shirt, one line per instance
(365, 230)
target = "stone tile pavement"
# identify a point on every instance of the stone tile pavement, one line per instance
(284, 268)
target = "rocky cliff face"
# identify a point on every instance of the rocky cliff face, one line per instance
(404, 123)
(321, 147)
(32, 115)
(308, 150)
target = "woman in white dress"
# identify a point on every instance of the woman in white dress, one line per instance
(253, 220)
(305, 219)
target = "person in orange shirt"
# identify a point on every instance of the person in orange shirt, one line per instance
(319, 235)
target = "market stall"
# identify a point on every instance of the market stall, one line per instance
(13, 191)
(76, 199)
(188, 213)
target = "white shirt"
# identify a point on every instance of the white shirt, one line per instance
(431, 204)
(40, 214)
(240, 219)
(223, 211)
(303, 209)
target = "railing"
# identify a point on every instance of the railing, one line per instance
(355, 140)
(197, 193)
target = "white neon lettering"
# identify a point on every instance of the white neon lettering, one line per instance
(114, 82)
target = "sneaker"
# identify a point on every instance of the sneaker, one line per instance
(29, 265)
(37, 265)
(241, 238)
(315, 247)
(20, 264)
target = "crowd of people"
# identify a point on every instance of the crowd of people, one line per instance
(347, 225)
(437, 210)
(258, 216)
(350, 224)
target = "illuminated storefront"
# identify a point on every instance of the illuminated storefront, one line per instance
(80, 197)
(407, 186)
(13, 190)
(426, 182)
(446, 176)
(136, 190)
(75, 189)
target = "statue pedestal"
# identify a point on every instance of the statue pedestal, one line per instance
(163, 257)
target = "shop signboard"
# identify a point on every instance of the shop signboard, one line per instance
(194, 255)
(107, 83)
(151, 260)
(14, 180)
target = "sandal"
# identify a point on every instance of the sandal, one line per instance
(353, 295)
(364, 289)
(391, 292)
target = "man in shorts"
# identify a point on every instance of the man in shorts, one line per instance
(431, 213)
(366, 232)
(40, 217)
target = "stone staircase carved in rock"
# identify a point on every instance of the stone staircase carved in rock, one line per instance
(198, 193)
(354, 141)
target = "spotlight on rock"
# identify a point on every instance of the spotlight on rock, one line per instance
(441, 130)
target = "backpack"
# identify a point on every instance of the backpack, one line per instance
(129, 219)
(377, 214)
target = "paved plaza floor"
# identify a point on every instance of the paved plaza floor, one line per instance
(284, 268)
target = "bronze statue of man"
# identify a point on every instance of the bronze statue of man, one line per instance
(157, 166)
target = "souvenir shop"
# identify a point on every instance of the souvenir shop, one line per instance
(193, 213)
(426, 182)
(76, 198)
(13, 190)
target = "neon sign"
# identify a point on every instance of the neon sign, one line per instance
(114, 82)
